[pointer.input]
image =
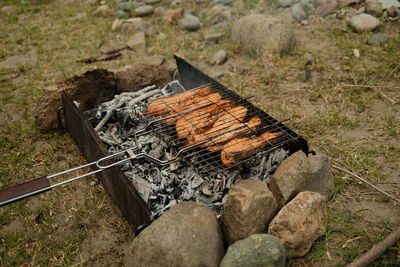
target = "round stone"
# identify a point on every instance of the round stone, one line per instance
(256, 250)
(377, 39)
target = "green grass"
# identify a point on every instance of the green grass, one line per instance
(81, 211)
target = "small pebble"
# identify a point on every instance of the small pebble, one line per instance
(213, 37)
(103, 10)
(377, 39)
(356, 53)
(116, 24)
(151, 2)
(145, 10)
(393, 12)
(189, 22)
(137, 42)
(298, 12)
(304, 22)
(175, 3)
(364, 22)
(8, 9)
(219, 57)
(219, 75)
(284, 3)
(91, 2)
(374, 8)
(126, 6)
(121, 14)
(160, 11)
(386, 4)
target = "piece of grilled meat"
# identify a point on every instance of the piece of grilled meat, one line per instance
(233, 131)
(227, 119)
(191, 106)
(163, 106)
(241, 147)
(202, 119)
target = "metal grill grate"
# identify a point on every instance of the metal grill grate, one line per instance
(208, 163)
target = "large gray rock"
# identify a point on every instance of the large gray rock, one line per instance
(257, 250)
(249, 208)
(186, 235)
(300, 223)
(300, 173)
(263, 35)
(364, 22)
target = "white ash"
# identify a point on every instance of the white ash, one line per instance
(162, 187)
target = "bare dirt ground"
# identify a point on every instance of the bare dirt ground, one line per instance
(349, 109)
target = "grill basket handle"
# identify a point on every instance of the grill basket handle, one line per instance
(24, 190)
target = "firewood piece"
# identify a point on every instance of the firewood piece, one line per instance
(104, 57)
(377, 250)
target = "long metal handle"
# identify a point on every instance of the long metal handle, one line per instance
(42, 184)
(23, 190)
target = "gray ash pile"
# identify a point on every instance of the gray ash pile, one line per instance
(161, 187)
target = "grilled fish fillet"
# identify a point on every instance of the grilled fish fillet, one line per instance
(234, 130)
(226, 120)
(202, 119)
(192, 105)
(162, 106)
(241, 147)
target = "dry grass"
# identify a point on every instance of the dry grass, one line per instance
(79, 225)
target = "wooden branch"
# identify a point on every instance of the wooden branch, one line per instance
(366, 182)
(377, 250)
(370, 86)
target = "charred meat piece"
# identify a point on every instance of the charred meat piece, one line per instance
(234, 131)
(202, 119)
(241, 147)
(227, 119)
(192, 105)
(163, 106)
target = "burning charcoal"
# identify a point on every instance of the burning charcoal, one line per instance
(206, 191)
(126, 166)
(187, 193)
(143, 187)
(207, 200)
(156, 173)
(161, 211)
(262, 163)
(173, 166)
(157, 152)
(196, 181)
(216, 186)
(99, 113)
(177, 191)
